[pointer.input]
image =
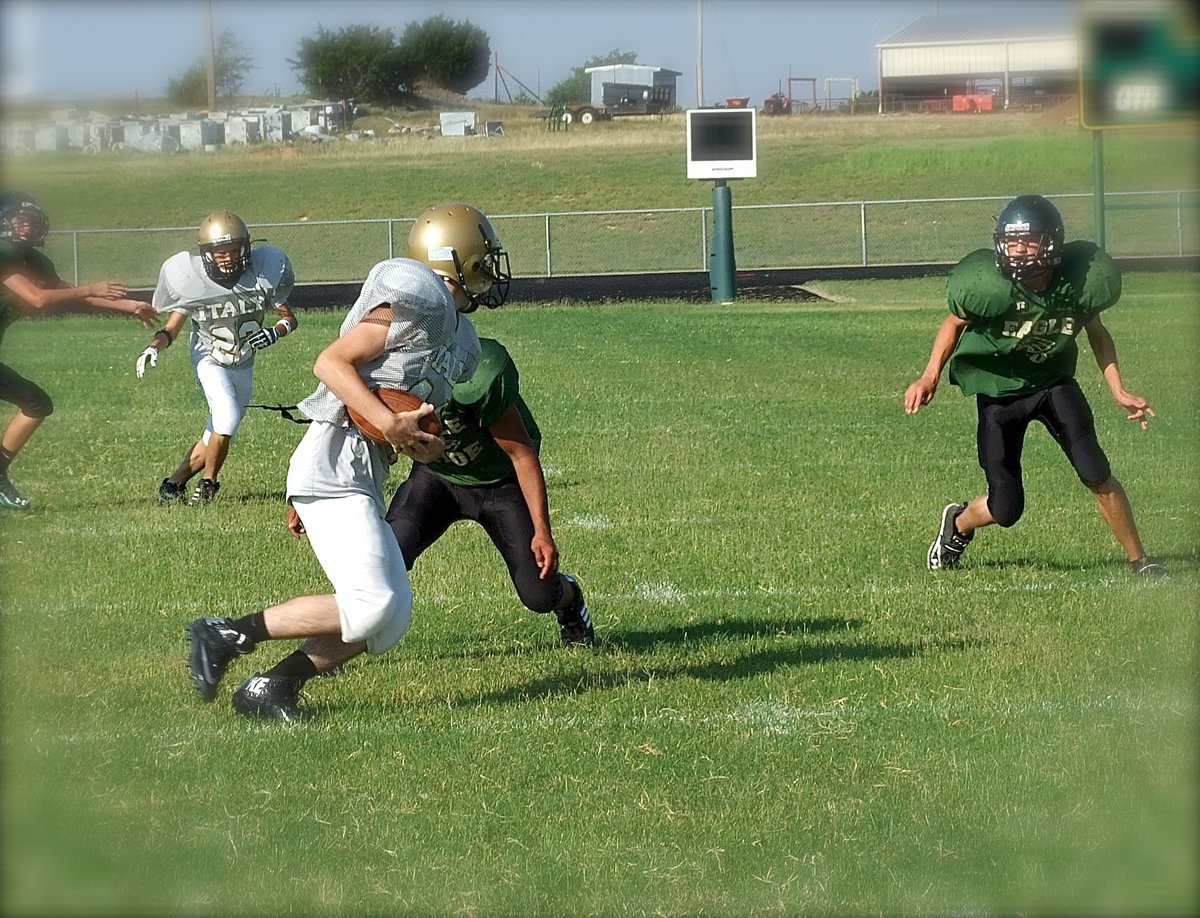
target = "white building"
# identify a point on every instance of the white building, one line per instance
(1013, 58)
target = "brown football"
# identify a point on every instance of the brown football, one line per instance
(398, 400)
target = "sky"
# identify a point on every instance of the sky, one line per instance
(112, 49)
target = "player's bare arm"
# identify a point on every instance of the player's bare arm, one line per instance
(294, 524)
(922, 391)
(1104, 349)
(337, 367)
(101, 295)
(511, 436)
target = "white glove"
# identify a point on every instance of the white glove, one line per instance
(264, 337)
(149, 356)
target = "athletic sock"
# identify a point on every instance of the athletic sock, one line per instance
(297, 665)
(254, 626)
(6, 459)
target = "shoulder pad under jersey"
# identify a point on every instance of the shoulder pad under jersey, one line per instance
(181, 279)
(494, 362)
(976, 289)
(273, 266)
(1093, 274)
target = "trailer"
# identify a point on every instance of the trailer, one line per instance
(624, 89)
(620, 99)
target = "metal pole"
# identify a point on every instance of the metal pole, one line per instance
(721, 279)
(212, 64)
(1098, 185)
(549, 251)
(699, 53)
(862, 230)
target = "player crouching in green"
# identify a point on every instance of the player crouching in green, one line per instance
(1010, 340)
(491, 474)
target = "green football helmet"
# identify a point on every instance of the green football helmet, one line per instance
(459, 243)
(22, 220)
(1033, 218)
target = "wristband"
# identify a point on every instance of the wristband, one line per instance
(288, 326)
(166, 334)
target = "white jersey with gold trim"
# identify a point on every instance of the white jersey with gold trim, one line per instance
(223, 318)
(429, 347)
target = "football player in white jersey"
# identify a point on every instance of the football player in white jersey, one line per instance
(226, 290)
(406, 331)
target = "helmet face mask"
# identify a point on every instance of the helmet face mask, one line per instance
(22, 220)
(459, 243)
(1032, 219)
(219, 230)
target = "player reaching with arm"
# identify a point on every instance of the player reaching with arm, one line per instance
(491, 474)
(1010, 340)
(31, 283)
(405, 331)
(227, 290)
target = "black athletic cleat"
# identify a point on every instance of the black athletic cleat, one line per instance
(949, 545)
(269, 697)
(214, 642)
(1150, 568)
(10, 497)
(206, 491)
(169, 492)
(574, 624)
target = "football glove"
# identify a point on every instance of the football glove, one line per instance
(264, 337)
(149, 358)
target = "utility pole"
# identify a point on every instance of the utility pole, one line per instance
(212, 63)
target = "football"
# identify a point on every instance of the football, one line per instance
(398, 400)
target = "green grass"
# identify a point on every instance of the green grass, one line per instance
(788, 714)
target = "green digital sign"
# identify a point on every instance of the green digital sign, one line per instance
(1140, 65)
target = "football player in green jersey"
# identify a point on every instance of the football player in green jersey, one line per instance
(1010, 340)
(29, 281)
(491, 474)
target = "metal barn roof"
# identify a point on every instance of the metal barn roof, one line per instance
(964, 29)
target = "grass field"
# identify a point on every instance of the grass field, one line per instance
(787, 714)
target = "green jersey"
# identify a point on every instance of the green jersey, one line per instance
(30, 262)
(472, 455)
(1020, 341)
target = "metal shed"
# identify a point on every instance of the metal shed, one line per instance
(1016, 59)
(659, 78)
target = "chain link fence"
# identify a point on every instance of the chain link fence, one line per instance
(825, 234)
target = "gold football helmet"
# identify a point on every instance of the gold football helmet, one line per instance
(220, 228)
(459, 243)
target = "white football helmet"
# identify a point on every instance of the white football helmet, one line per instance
(220, 228)
(459, 243)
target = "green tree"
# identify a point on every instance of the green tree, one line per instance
(356, 62)
(576, 89)
(451, 55)
(230, 63)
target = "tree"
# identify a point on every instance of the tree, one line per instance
(576, 89)
(357, 62)
(230, 63)
(452, 55)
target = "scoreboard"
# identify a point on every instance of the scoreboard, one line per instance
(1140, 64)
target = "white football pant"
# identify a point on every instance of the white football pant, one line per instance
(363, 561)
(228, 391)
